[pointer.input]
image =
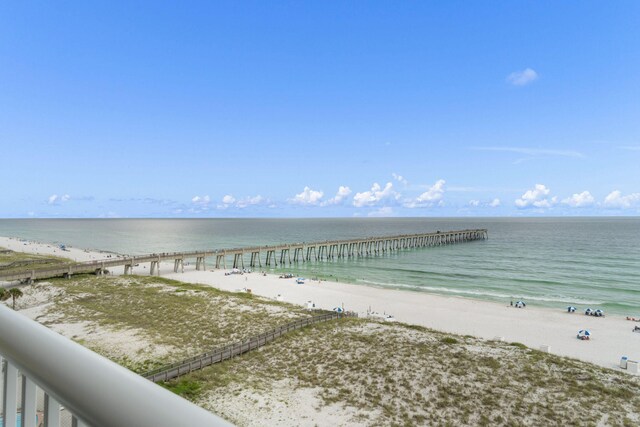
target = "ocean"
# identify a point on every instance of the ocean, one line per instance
(549, 262)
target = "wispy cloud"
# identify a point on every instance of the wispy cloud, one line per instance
(491, 203)
(199, 204)
(384, 211)
(251, 201)
(472, 189)
(401, 179)
(522, 78)
(146, 200)
(109, 214)
(55, 199)
(201, 200)
(535, 152)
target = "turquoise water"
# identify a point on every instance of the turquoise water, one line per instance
(550, 262)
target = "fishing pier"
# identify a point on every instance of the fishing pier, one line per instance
(258, 256)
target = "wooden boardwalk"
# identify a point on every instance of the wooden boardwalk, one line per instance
(195, 363)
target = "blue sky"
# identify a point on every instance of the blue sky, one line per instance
(296, 109)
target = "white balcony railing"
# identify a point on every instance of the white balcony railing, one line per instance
(42, 370)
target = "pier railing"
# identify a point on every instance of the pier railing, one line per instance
(96, 391)
(221, 354)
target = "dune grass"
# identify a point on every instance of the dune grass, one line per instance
(398, 375)
(373, 373)
(187, 319)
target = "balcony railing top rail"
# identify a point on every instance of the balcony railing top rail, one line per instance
(95, 390)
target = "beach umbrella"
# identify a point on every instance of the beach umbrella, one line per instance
(571, 309)
(584, 333)
(338, 309)
(520, 304)
(588, 311)
(599, 313)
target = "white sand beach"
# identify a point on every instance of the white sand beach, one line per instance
(612, 336)
(532, 326)
(40, 248)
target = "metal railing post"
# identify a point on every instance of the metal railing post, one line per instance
(28, 410)
(51, 412)
(10, 394)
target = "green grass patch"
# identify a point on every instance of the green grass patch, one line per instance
(518, 345)
(187, 389)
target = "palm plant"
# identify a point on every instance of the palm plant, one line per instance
(13, 293)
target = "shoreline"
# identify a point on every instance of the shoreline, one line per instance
(612, 336)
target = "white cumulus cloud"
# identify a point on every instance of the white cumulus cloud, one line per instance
(229, 201)
(522, 78)
(615, 199)
(579, 200)
(538, 197)
(376, 195)
(474, 203)
(308, 197)
(434, 193)
(494, 203)
(343, 193)
(431, 197)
